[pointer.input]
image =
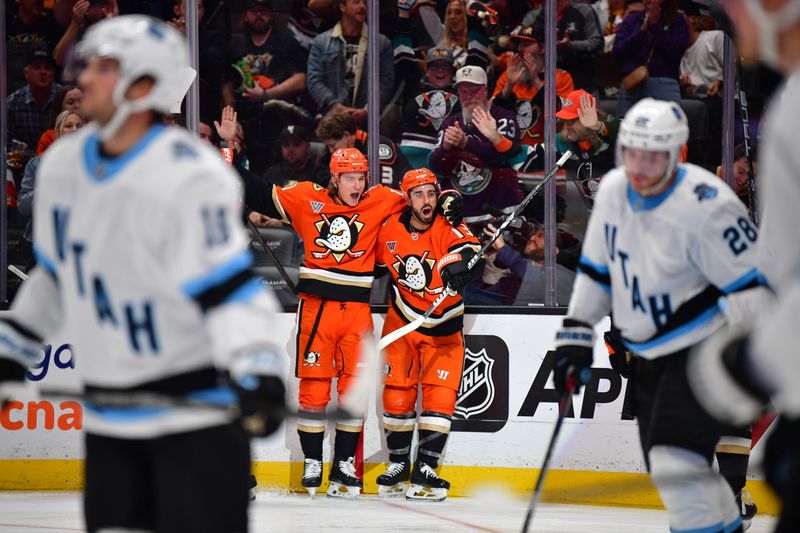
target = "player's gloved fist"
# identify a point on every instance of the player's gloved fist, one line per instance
(452, 206)
(453, 268)
(725, 379)
(574, 344)
(481, 14)
(259, 381)
(618, 354)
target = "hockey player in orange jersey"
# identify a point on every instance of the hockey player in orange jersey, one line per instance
(424, 254)
(339, 226)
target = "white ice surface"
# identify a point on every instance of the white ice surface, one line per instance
(52, 512)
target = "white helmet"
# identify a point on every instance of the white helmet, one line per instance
(144, 47)
(657, 126)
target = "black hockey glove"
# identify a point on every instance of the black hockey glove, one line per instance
(451, 204)
(574, 344)
(782, 458)
(12, 378)
(454, 272)
(618, 354)
(723, 377)
(258, 379)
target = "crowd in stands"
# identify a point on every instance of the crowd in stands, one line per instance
(285, 82)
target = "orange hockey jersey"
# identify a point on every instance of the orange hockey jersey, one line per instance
(338, 240)
(411, 258)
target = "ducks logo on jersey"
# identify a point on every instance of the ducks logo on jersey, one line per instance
(415, 273)
(434, 107)
(338, 235)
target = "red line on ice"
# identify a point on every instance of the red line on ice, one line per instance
(440, 517)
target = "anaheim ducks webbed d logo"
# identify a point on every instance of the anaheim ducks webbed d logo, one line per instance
(338, 235)
(415, 272)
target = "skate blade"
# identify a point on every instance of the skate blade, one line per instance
(397, 490)
(425, 494)
(311, 491)
(345, 492)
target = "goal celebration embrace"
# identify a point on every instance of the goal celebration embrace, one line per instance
(486, 265)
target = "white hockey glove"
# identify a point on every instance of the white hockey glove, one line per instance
(725, 380)
(259, 378)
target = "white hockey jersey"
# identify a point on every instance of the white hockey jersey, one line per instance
(661, 263)
(776, 336)
(152, 273)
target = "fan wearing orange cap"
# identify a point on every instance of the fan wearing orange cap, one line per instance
(339, 226)
(425, 256)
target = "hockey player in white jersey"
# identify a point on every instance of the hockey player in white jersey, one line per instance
(664, 243)
(741, 370)
(144, 266)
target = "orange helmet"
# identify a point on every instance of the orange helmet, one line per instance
(416, 177)
(348, 160)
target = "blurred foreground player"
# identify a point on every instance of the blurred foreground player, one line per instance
(741, 370)
(424, 255)
(339, 226)
(144, 264)
(664, 242)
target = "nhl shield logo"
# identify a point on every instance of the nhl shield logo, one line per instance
(477, 389)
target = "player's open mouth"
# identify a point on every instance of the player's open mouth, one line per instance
(426, 211)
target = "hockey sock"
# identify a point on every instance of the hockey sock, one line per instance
(733, 467)
(433, 431)
(346, 442)
(311, 444)
(311, 429)
(399, 431)
(696, 497)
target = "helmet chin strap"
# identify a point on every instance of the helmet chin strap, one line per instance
(125, 108)
(659, 186)
(770, 26)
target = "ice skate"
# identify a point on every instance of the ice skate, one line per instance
(343, 482)
(312, 475)
(426, 485)
(747, 508)
(253, 484)
(393, 483)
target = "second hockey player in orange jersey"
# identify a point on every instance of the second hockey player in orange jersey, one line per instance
(424, 255)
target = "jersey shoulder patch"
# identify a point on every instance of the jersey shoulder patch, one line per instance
(705, 192)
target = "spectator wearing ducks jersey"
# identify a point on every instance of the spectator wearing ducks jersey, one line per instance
(425, 112)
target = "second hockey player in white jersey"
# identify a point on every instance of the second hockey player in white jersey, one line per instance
(664, 243)
(741, 371)
(144, 267)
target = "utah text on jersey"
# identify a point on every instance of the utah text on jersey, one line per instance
(661, 263)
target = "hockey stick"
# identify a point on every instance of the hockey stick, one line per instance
(272, 256)
(751, 180)
(17, 272)
(225, 401)
(417, 322)
(563, 407)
